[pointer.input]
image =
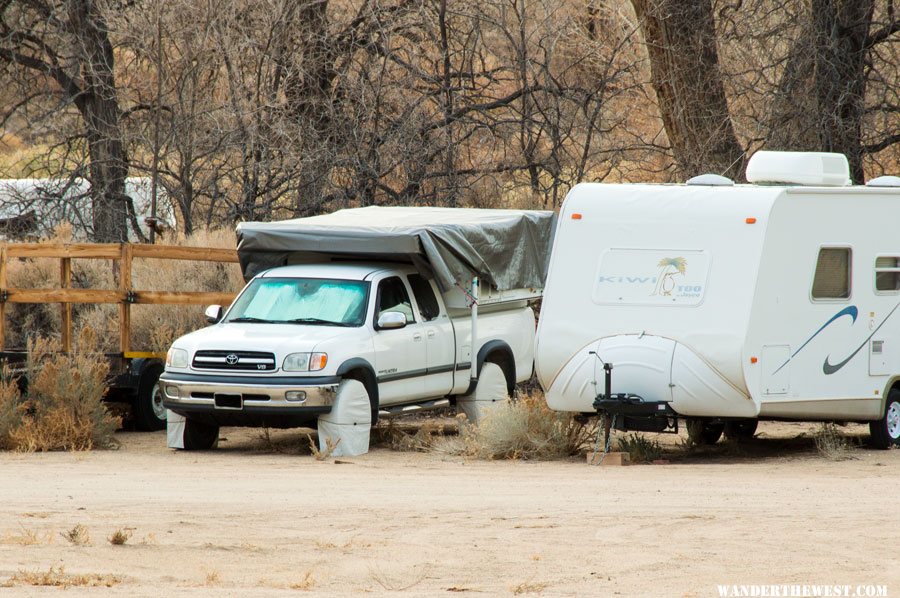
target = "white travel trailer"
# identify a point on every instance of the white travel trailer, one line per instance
(725, 304)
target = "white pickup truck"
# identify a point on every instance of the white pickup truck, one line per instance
(334, 343)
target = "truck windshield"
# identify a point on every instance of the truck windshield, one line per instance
(313, 301)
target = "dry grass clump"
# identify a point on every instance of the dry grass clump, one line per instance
(121, 536)
(639, 448)
(833, 445)
(402, 438)
(523, 429)
(62, 408)
(78, 535)
(58, 578)
(528, 587)
(305, 583)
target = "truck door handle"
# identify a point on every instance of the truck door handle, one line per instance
(417, 336)
(431, 334)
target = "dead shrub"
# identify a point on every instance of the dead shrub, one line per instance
(833, 445)
(63, 407)
(419, 438)
(523, 429)
(78, 535)
(121, 536)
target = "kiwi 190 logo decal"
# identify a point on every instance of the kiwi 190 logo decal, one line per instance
(670, 267)
(651, 276)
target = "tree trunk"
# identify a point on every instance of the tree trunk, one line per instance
(841, 28)
(99, 107)
(309, 64)
(819, 103)
(684, 67)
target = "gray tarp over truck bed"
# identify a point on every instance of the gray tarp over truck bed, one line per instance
(508, 249)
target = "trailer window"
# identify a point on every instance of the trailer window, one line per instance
(887, 273)
(832, 279)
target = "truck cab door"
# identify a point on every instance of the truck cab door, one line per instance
(400, 362)
(440, 341)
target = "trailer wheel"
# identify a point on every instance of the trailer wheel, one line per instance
(703, 432)
(148, 410)
(199, 436)
(885, 432)
(741, 430)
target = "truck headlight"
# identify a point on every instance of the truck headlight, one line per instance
(305, 362)
(177, 358)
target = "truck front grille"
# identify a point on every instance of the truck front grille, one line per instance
(244, 361)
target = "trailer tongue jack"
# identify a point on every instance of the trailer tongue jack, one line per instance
(631, 412)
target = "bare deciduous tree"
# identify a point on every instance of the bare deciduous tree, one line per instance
(60, 52)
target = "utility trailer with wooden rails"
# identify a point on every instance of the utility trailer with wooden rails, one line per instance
(134, 375)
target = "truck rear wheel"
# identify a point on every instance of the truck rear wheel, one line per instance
(199, 436)
(490, 391)
(885, 432)
(148, 410)
(703, 432)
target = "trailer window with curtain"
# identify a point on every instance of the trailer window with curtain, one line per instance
(832, 279)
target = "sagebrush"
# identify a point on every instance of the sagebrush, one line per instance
(525, 428)
(62, 407)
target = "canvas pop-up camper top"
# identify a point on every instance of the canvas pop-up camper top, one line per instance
(725, 304)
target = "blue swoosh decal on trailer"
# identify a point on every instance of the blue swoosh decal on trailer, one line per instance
(829, 369)
(851, 311)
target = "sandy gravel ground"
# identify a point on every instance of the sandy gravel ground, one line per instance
(241, 521)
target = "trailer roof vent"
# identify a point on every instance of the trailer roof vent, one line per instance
(819, 169)
(884, 181)
(712, 180)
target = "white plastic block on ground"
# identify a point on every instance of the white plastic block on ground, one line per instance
(174, 430)
(350, 422)
(490, 392)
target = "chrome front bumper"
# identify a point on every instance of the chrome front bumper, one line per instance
(246, 393)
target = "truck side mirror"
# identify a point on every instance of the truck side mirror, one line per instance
(391, 320)
(213, 313)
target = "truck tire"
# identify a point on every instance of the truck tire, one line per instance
(703, 432)
(742, 430)
(885, 432)
(148, 411)
(349, 425)
(491, 390)
(199, 436)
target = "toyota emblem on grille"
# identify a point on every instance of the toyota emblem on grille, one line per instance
(231, 359)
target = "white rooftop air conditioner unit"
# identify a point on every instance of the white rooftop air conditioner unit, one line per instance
(819, 169)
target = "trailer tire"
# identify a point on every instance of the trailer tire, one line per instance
(741, 430)
(703, 432)
(148, 410)
(199, 436)
(885, 432)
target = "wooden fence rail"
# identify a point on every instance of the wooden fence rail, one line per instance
(122, 256)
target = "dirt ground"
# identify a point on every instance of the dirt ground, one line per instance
(244, 520)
